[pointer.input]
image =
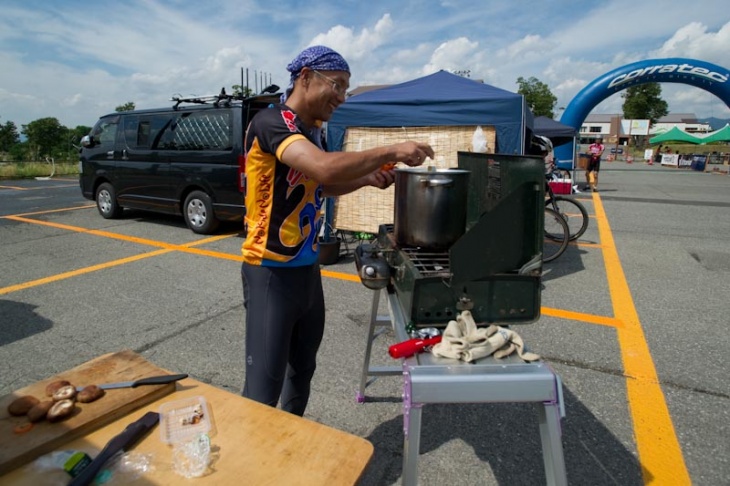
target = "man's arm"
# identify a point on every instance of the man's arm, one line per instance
(334, 168)
(379, 178)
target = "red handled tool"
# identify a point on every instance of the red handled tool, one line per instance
(411, 347)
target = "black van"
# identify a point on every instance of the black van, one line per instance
(185, 159)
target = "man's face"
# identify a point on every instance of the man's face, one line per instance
(327, 90)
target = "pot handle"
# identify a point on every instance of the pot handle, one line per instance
(437, 182)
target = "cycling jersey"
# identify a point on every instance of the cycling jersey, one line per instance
(283, 206)
(596, 148)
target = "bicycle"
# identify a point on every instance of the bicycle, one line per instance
(557, 235)
(574, 213)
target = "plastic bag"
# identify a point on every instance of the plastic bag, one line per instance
(479, 141)
(59, 466)
(122, 468)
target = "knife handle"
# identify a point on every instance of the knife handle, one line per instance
(121, 442)
(159, 380)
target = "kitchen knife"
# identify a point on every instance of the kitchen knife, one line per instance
(152, 380)
(121, 442)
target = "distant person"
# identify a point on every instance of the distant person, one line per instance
(594, 164)
(658, 155)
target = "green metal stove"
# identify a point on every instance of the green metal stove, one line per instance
(493, 269)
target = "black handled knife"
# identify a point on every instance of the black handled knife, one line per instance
(122, 442)
(152, 380)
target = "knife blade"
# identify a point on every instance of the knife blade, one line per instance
(152, 380)
(121, 442)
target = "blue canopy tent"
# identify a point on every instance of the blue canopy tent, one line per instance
(438, 99)
(559, 134)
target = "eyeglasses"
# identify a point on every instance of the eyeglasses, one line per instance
(336, 87)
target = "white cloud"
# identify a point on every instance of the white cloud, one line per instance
(356, 46)
(529, 46)
(694, 41)
(82, 60)
(452, 55)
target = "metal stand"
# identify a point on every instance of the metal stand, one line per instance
(428, 379)
(378, 326)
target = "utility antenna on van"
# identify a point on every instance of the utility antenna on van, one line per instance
(216, 100)
(222, 98)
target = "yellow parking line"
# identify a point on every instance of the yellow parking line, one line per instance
(48, 211)
(168, 248)
(579, 316)
(660, 455)
(15, 188)
(81, 271)
(341, 276)
(134, 239)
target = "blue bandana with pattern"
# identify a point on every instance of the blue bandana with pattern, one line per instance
(321, 58)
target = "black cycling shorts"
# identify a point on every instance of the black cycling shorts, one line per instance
(594, 164)
(284, 328)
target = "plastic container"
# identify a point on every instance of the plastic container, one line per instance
(183, 420)
(561, 186)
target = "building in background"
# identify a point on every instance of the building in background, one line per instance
(614, 130)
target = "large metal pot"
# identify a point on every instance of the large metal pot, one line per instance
(430, 206)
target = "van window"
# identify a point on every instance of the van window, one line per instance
(148, 131)
(204, 131)
(105, 131)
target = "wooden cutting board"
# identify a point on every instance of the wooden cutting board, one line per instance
(19, 449)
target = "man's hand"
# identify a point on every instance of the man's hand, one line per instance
(412, 153)
(382, 179)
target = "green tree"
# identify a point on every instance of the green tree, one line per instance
(8, 136)
(537, 96)
(19, 152)
(644, 102)
(75, 134)
(128, 106)
(44, 135)
(241, 91)
(72, 141)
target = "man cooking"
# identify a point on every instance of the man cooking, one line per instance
(288, 174)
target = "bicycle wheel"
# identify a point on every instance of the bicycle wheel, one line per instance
(573, 212)
(557, 236)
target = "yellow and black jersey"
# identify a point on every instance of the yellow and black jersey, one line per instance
(283, 206)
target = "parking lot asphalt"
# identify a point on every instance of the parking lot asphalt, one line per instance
(634, 321)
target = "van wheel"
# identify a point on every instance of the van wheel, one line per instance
(106, 201)
(198, 212)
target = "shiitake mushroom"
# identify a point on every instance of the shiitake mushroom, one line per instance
(21, 405)
(67, 392)
(40, 410)
(60, 410)
(53, 387)
(90, 393)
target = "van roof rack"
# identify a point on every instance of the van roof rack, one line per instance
(222, 98)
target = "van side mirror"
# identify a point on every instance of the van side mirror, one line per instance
(87, 141)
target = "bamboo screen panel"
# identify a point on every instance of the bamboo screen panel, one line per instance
(367, 208)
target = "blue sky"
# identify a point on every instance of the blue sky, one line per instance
(76, 60)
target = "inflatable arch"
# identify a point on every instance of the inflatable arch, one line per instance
(710, 77)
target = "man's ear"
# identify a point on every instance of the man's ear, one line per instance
(305, 76)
